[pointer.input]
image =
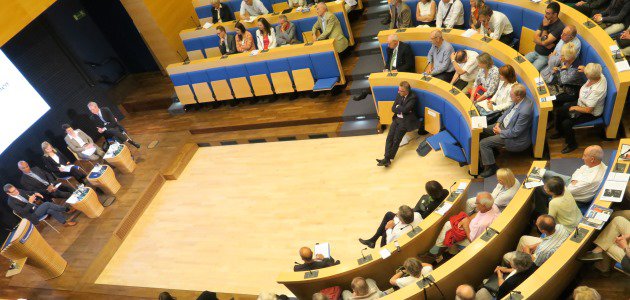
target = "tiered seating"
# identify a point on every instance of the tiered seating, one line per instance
(378, 269)
(418, 39)
(201, 43)
(280, 70)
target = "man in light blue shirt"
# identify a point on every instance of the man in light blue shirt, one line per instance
(440, 65)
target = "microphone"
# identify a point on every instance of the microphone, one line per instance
(195, 23)
(424, 74)
(184, 60)
(450, 188)
(362, 252)
(309, 268)
(513, 292)
(397, 246)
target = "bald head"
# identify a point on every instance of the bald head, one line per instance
(359, 286)
(392, 41)
(465, 292)
(569, 33)
(484, 202)
(306, 254)
(593, 155)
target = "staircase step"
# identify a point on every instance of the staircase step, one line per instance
(367, 48)
(358, 86)
(372, 3)
(359, 127)
(370, 30)
(366, 65)
(376, 12)
(360, 110)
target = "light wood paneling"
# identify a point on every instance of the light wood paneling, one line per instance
(16, 14)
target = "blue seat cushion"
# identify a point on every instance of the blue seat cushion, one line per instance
(325, 84)
(596, 122)
(385, 93)
(443, 137)
(453, 152)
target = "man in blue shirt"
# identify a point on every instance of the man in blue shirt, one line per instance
(440, 65)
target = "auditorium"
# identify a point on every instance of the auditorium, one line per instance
(315, 149)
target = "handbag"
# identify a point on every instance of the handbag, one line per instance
(492, 284)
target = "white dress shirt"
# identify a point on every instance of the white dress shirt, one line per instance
(470, 66)
(455, 15)
(500, 25)
(594, 96)
(256, 9)
(400, 228)
(587, 182)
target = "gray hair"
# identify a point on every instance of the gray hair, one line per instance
(485, 199)
(521, 261)
(92, 103)
(393, 37)
(20, 163)
(7, 187)
(593, 71)
(436, 33)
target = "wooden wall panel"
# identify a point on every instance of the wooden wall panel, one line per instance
(16, 14)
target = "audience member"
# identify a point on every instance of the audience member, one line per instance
(512, 130)
(296, 3)
(487, 79)
(568, 37)
(541, 248)
(425, 13)
(252, 8)
(227, 43)
(615, 18)
(466, 69)
(329, 27)
(320, 296)
(465, 292)
(562, 206)
(475, 9)
(462, 229)
(165, 296)
(220, 13)
(310, 263)
(23, 203)
(450, 14)
(565, 79)
(393, 226)
(413, 270)
(400, 56)
(507, 186)
(400, 15)
(206, 295)
(589, 106)
(362, 289)
(271, 296)
(432, 199)
(265, 35)
(82, 144)
(40, 181)
(57, 164)
(493, 108)
(404, 120)
(244, 39)
(585, 293)
(496, 25)
(440, 65)
(587, 7)
(107, 124)
(546, 37)
(285, 31)
(613, 240)
(624, 42)
(521, 267)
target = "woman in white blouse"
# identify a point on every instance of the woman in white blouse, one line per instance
(507, 186)
(414, 269)
(265, 35)
(501, 100)
(589, 106)
(487, 79)
(57, 163)
(425, 13)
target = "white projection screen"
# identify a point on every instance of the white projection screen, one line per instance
(20, 104)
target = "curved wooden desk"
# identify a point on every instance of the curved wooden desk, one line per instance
(498, 50)
(27, 242)
(438, 87)
(558, 271)
(105, 180)
(478, 259)
(378, 269)
(123, 160)
(87, 203)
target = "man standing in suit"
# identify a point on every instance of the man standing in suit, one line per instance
(400, 15)
(23, 204)
(40, 181)
(220, 13)
(403, 120)
(400, 57)
(108, 125)
(330, 28)
(512, 130)
(227, 44)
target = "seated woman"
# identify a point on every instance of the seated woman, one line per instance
(244, 39)
(425, 13)
(393, 226)
(434, 196)
(564, 78)
(487, 80)
(475, 8)
(412, 271)
(265, 35)
(285, 31)
(615, 18)
(507, 186)
(521, 267)
(57, 163)
(588, 106)
(501, 100)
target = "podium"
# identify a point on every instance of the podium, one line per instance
(119, 156)
(26, 242)
(103, 176)
(85, 200)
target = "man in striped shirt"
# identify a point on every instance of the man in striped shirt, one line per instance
(541, 248)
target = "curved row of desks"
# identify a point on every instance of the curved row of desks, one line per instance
(378, 269)
(418, 38)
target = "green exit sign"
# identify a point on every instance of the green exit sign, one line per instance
(79, 15)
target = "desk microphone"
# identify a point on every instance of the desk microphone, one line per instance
(362, 252)
(424, 73)
(450, 188)
(309, 268)
(514, 293)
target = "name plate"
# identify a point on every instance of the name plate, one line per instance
(311, 274)
(414, 231)
(363, 260)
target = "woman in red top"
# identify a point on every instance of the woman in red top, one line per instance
(265, 35)
(244, 39)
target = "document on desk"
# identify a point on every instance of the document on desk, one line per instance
(207, 25)
(251, 19)
(89, 151)
(443, 208)
(615, 187)
(479, 122)
(385, 253)
(535, 178)
(323, 249)
(622, 66)
(468, 33)
(596, 216)
(66, 168)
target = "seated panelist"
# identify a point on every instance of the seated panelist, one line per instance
(546, 37)
(330, 28)
(487, 81)
(364, 289)
(400, 14)
(413, 270)
(57, 163)
(43, 182)
(399, 56)
(107, 124)
(425, 13)
(541, 248)
(450, 14)
(82, 144)
(508, 278)
(296, 3)
(310, 263)
(24, 203)
(493, 108)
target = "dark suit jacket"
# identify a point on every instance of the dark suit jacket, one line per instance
(318, 264)
(52, 166)
(405, 60)
(229, 39)
(514, 281)
(32, 184)
(408, 109)
(25, 210)
(226, 14)
(8, 220)
(109, 117)
(517, 135)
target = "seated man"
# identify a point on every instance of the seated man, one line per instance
(466, 69)
(393, 226)
(465, 292)
(43, 182)
(496, 25)
(569, 36)
(450, 14)
(107, 124)
(220, 12)
(82, 144)
(252, 8)
(313, 264)
(330, 28)
(613, 240)
(541, 248)
(400, 56)
(400, 14)
(413, 270)
(285, 31)
(562, 206)
(23, 204)
(468, 228)
(362, 289)
(546, 37)
(512, 130)
(440, 65)
(227, 43)
(521, 266)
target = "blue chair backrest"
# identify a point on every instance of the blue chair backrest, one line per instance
(325, 65)
(180, 79)
(204, 11)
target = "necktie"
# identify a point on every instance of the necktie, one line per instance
(33, 175)
(394, 57)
